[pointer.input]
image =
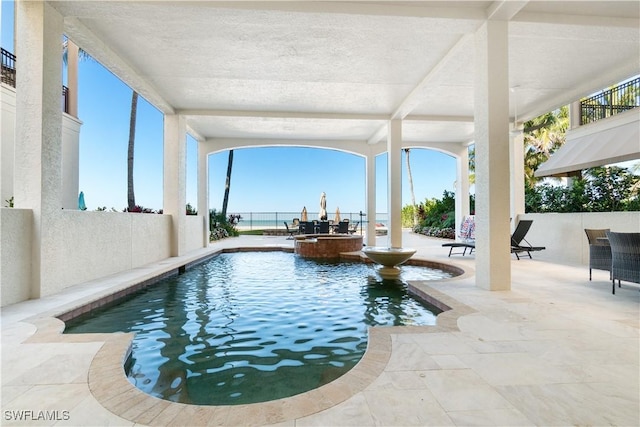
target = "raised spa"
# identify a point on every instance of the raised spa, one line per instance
(256, 326)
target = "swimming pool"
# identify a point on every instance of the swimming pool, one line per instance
(252, 327)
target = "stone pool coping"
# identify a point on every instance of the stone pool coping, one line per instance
(110, 387)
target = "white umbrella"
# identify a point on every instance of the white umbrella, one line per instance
(323, 207)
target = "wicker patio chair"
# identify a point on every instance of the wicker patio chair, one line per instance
(599, 250)
(625, 258)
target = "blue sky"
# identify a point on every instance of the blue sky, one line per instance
(263, 180)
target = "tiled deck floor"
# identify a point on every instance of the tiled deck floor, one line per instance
(555, 350)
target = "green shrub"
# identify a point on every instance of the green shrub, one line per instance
(220, 226)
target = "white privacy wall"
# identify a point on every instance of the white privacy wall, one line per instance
(563, 233)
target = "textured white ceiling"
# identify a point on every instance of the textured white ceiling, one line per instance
(339, 70)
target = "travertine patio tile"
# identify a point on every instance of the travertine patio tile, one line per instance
(56, 397)
(399, 380)
(574, 404)
(494, 417)
(410, 356)
(9, 393)
(518, 368)
(58, 369)
(353, 412)
(406, 408)
(90, 412)
(446, 361)
(442, 343)
(462, 390)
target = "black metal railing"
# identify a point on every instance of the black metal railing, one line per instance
(610, 102)
(276, 220)
(9, 76)
(8, 68)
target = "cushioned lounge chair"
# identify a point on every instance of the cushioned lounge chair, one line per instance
(599, 250)
(466, 235)
(518, 243)
(625, 258)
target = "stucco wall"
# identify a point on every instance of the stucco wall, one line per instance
(7, 133)
(96, 244)
(194, 229)
(92, 245)
(564, 237)
(15, 255)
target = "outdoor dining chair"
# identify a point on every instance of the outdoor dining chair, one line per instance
(625, 258)
(599, 250)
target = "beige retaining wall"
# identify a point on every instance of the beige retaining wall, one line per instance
(91, 245)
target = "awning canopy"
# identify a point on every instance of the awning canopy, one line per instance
(612, 140)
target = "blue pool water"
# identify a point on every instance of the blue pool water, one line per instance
(252, 327)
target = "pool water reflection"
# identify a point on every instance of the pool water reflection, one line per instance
(252, 327)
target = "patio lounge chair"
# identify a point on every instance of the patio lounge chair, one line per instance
(599, 250)
(290, 231)
(625, 258)
(354, 227)
(467, 237)
(518, 243)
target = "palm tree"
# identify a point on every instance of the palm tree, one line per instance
(543, 136)
(413, 196)
(131, 197)
(227, 185)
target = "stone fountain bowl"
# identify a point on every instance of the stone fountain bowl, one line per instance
(388, 258)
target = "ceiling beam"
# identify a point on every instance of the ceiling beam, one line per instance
(505, 10)
(282, 114)
(417, 9)
(582, 20)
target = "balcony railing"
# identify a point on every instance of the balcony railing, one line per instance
(9, 76)
(8, 68)
(610, 102)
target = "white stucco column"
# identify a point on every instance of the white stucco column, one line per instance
(72, 78)
(371, 198)
(203, 190)
(175, 179)
(493, 255)
(394, 198)
(575, 111)
(70, 162)
(462, 186)
(38, 150)
(517, 173)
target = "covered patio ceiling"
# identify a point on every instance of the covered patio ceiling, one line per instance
(338, 71)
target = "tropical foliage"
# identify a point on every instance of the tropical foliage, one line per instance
(601, 189)
(220, 226)
(436, 217)
(542, 137)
